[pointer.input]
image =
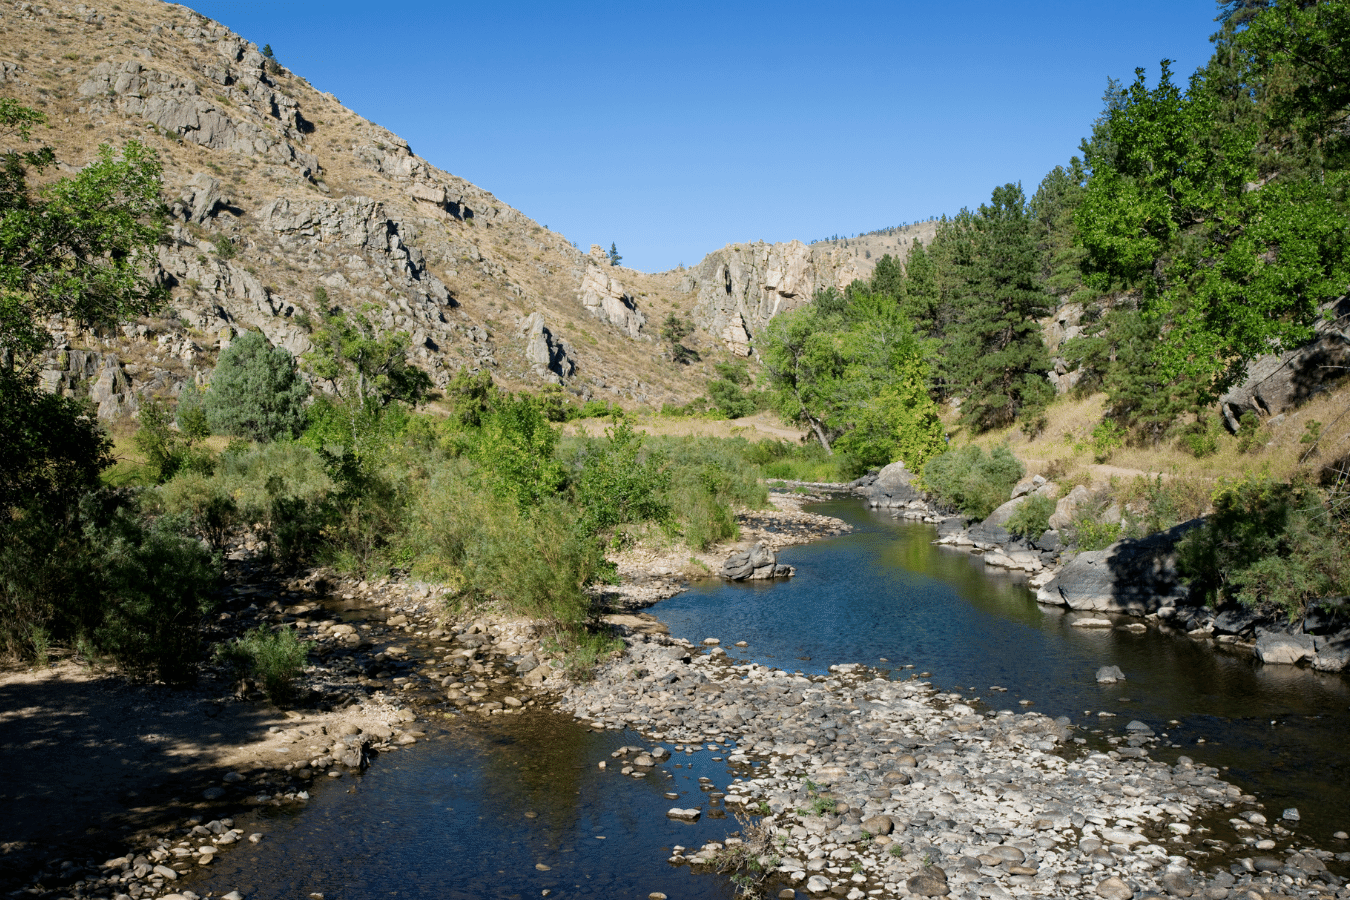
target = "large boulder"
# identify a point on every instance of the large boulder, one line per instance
(994, 530)
(1131, 576)
(1283, 648)
(894, 486)
(758, 562)
(1067, 507)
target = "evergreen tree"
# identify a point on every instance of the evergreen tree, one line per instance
(920, 302)
(614, 257)
(997, 360)
(256, 392)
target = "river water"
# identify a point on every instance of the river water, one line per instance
(517, 807)
(885, 595)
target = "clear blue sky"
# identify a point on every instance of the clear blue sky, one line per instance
(673, 129)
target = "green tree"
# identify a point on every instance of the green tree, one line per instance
(614, 257)
(256, 391)
(673, 332)
(996, 359)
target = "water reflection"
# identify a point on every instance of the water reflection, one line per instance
(886, 592)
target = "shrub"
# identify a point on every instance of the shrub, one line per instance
(1089, 534)
(256, 391)
(1107, 438)
(616, 482)
(272, 658)
(154, 585)
(971, 481)
(1268, 544)
(166, 450)
(1032, 517)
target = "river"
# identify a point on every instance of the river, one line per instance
(519, 807)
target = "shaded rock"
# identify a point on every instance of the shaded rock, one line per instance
(930, 881)
(1131, 576)
(993, 530)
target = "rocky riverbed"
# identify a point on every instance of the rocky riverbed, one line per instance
(850, 784)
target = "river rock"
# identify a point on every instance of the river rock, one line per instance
(1131, 576)
(684, 815)
(1109, 675)
(930, 881)
(817, 884)
(1067, 507)
(993, 530)
(759, 562)
(1114, 888)
(1283, 648)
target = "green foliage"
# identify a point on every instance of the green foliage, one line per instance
(708, 480)
(52, 452)
(798, 462)
(673, 332)
(972, 481)
(224, 247)
(1249, 432)
(190, 415)
(470, 396)
(1157, 504)
(1031, 519)
(81, 246)
(727, 392)
(166, 450)
(273, 658)
(1268, 544)
(1089, 534)
(1107, 438)
(614, 257)
(993, 356)
(853, 371)
(256, 392)
(1201, 438)
(616, 482)
(514, 451)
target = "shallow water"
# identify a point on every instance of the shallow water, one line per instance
(884, 595)
(474, 810)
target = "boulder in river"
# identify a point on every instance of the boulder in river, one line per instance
(1109, 675)
(1283, 648)
(892, 487)
(759, 562)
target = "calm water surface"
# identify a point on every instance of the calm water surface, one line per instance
(885, 592)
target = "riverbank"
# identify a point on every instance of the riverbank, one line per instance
(141, 776)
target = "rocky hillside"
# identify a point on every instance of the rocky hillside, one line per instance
(277, 190)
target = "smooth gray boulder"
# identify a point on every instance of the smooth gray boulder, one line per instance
(993, 530)
(1283, 648)
(1131, 576)
(1067, 507)
(1110, 675)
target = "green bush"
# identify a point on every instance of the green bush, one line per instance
(1031, 519)
(1089, 534)
(615, 482)
(154, 585)
(167, 451)
(1269, 545)
(798, 462)
(972, 481)
(273, 658)
(1107, 438)
(256, 391)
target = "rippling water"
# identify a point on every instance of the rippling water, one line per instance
(885, 592)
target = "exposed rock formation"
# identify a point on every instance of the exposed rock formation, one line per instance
(605, 298)
(1278, 383)
(759, 562)
(742, 286)
(545, 352)
(1131, 576)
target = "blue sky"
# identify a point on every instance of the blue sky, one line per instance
(674, 129)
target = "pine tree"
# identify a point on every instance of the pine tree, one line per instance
(997, 360)
(614, 257)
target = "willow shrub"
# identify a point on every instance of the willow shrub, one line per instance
(972, 481)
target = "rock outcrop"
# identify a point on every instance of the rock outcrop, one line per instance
(891, 488)
(1131, 576)
(1275, 384)
(544, 351)
(604, 297)
(742, 286)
